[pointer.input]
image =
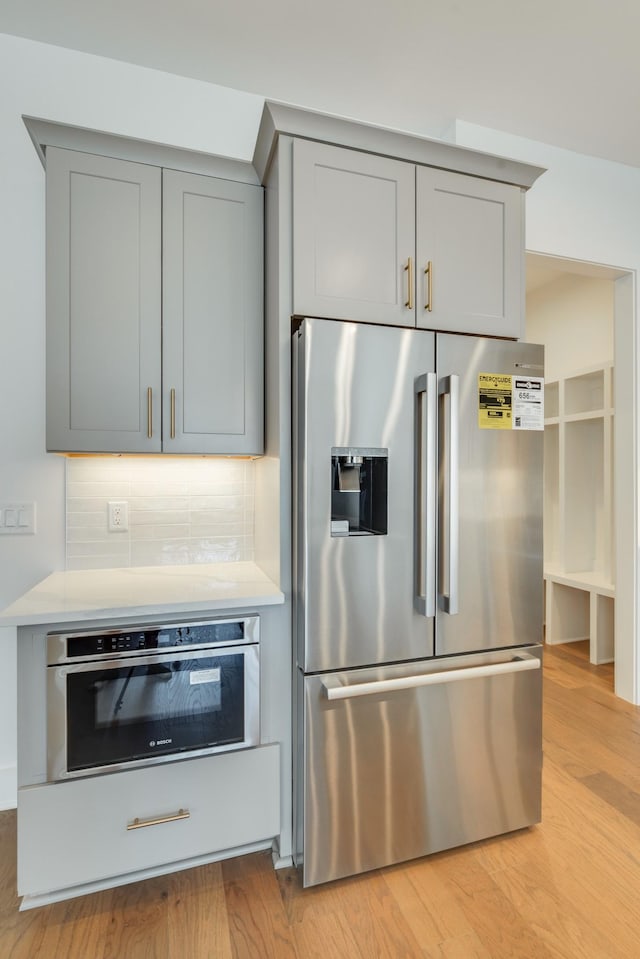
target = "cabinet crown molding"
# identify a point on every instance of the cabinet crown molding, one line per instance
(280, 119)
(46, 133)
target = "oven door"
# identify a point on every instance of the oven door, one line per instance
(144, 709)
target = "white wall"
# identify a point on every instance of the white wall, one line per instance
(61, 85)
(573, 316)
(584, 208)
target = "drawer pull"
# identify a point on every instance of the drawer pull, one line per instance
(173, 817)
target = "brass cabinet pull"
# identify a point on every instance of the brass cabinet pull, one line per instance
(409, 271)
(172, 817)
(173, 415)
(149, 412)
(429, 274)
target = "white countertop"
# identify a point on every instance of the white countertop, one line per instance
(142, 591)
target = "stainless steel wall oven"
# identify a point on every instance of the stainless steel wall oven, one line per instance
(147, 694)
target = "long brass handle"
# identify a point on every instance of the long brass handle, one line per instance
(173, 415)
(409, 271)
(429, 274)
(173, 817)
(149, 412)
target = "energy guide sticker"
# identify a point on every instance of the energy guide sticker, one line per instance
(510, 402)
(494, 401)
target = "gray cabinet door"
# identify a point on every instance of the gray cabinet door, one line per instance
(353, 234)
(103, 304)
(212, 315)
(469, 254)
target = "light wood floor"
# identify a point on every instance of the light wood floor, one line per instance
(568, 888)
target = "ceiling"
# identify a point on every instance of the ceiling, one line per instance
(565, 72)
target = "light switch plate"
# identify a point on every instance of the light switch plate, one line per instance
(17, 519)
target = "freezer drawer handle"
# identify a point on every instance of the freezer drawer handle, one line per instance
(334, 690)
(425, 486)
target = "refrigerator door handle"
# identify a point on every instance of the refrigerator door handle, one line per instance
(425, 485)
(335, 690)
(448, 601)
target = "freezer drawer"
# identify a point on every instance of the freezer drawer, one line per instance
(408, 760)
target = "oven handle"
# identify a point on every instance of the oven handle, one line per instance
(157, 658)
(172, 817)
(335, 690)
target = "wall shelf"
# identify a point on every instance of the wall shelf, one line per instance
(578, 511)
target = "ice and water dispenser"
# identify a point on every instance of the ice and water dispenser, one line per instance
(358, 491)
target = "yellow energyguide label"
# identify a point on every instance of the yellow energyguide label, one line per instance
(494, 401)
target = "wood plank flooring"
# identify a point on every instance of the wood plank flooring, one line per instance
(567, 889)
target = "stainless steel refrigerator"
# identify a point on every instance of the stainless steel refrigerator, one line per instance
(417, 592)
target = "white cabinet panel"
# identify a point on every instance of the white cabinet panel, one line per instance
(469, 238)
(353, 234)
(212, 323)
(384, 241)
(154, 309)
(76, 832)
(103, 302)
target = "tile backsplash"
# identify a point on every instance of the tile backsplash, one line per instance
(180, 511)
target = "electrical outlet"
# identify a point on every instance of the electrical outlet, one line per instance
(118, 516)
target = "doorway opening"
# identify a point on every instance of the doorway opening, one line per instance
(583, 314)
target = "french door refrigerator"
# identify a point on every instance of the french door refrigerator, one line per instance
(417, 592)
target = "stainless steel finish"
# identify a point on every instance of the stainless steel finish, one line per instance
(500, 509)
(358, 453)
(449, 498)
(407, 755)
(57, 708)
(57, 642)
(172, 817)
(425, 484)
(335, 690)
(349, 478)
(354, 595)
(391, 776)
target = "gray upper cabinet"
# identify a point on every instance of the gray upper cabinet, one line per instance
(469, 246)
(380, 240)
(212, 330)
(353, 235)
(154, 309)
(103, 304)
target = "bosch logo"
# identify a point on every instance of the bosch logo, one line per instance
(160, 742)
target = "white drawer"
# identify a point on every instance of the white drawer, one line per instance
(76, 832)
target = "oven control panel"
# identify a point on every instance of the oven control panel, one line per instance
(63, 647)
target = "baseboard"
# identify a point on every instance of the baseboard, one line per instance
(8, 787)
